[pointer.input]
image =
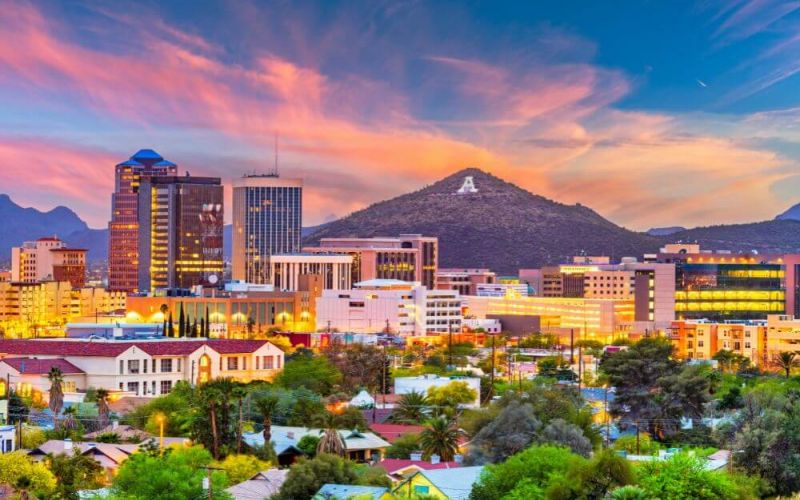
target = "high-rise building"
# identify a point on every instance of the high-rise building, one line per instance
(721, 286)
(267, 220)
(48, 259)
(408, 257)
(180, 232)
(124, 225)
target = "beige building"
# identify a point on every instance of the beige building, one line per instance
(267, 220)
(48, 259)
(702, 340)
(590, 318)
(30, 309)
(407, 257)
(286, 270)
(138, 368)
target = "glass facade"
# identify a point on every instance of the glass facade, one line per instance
(719, 291)
(267, 221)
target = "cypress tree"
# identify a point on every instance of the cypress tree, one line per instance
(181, 323)
(208, 324)
(203, 327)
(194, 328)
(171, 326)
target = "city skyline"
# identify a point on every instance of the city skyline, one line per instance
(558, 100)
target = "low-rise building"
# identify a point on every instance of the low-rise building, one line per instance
(463, 280)
(390, 306)
(48, 259)
(262, 485)
(501, 289)
(240, 312)
(359, 446)
(445, 484)
(702, 340)
(140, 368)
(351, 491)
(286, 271)
(8, 438)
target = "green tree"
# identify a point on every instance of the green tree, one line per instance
(17, 409)
(404, 446)
(512, 431)
(361, 365)
(448, 398)
(440, 437)
(315, 373)
(17, 465)
(527, 472)
(593, 479)
(730, 362)
(178, 475)
(786, 360)
(560, 432)
(411, 408)
(69, 423)
(266, 407)
(73, 473)
(240, 468)
(103, 411)
(307, 476)
(308, 445)
(331, 442)
(56, 401)
(683, 476)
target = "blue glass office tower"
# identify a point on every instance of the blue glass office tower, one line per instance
(267, 220)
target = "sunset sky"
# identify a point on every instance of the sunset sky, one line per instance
(652, 113)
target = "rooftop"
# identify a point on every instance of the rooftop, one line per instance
(102, 348)
(33, 366)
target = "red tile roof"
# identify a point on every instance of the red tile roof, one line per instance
(34, 366)
(115, 348)
(392, 432)
(392, 465)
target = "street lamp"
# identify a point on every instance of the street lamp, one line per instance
(160, 419)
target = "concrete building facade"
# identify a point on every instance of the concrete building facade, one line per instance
(48, 259)
(334, 270)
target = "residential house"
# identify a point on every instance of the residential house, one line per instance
(109, 456)
(8, 439)
(360, 446)
(149, 367)
(399, 468)
(352, 491)
(262, 485)
(445, 484)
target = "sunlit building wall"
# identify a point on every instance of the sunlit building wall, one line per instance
(123, 229)
(48, 258)
(267, 220)
(702, 340)
(180, 232)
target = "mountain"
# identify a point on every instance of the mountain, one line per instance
(501, 226)
(22, 224)
(665, 231)
(772, 236)
(793, 213)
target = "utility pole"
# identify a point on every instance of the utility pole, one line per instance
(580, 365)
(450, 330)
(207, 480)
(491, 376)
(637, 436)
(608, 432)
(571, 346)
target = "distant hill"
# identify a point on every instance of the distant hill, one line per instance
(793, 213)
(773, 236)
(502, 226)
(665, 231)
(18, 224)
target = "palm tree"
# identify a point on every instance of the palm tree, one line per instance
(266, 407)
(786, 360)
(69, 423)
(440, 437)
(331, 441)
(411, 407)
(56, 392)
(102, 407)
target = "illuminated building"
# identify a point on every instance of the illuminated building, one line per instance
(123, 229)
(402, 308)
(43, 308)
(408, 257)
(587, 318)
(500, 289)
(334, 270)
(180, 232)
(231, 314)
(267, 220)
(48, 259)
(137, 368)
(464, 280)
(720, 286)
(702, 340)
